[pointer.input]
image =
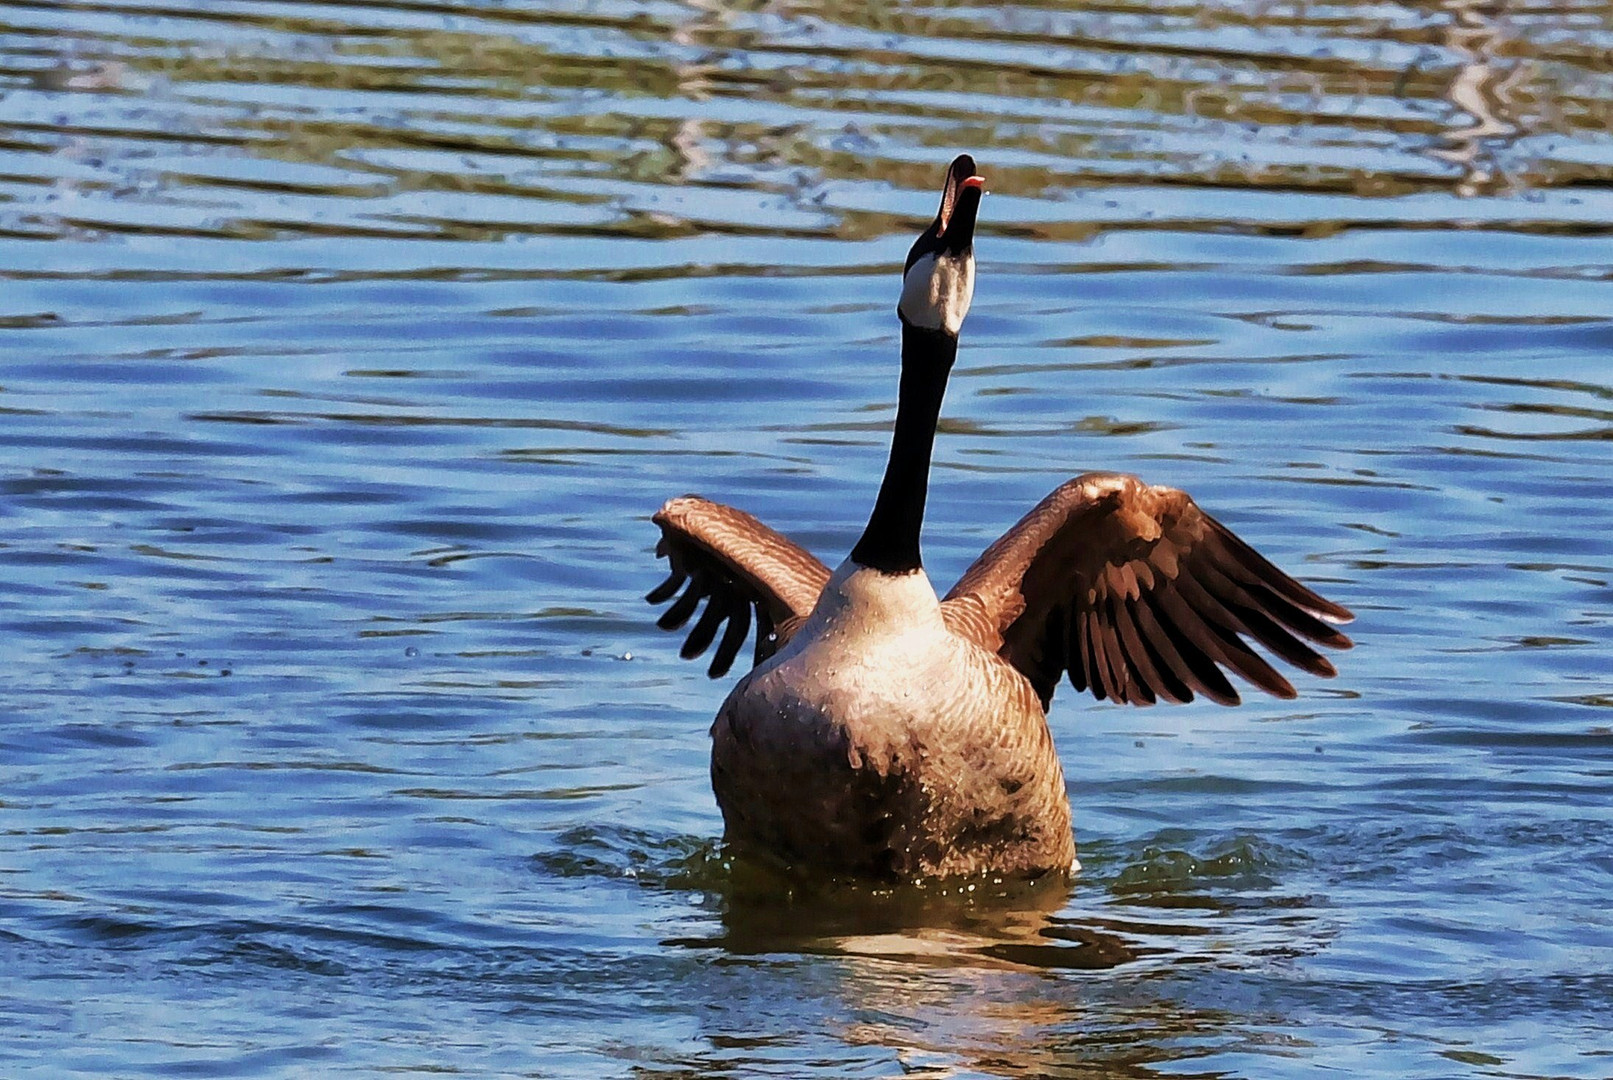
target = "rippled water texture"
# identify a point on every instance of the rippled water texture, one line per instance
(346, 348)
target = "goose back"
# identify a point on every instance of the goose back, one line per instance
(821, 757)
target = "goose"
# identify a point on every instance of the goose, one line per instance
(887, 733)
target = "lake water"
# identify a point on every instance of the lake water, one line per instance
(346, 348)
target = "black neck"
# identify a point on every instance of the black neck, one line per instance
(891, 541)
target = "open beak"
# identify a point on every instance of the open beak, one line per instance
(961, 177)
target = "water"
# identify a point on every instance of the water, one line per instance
(346, 349)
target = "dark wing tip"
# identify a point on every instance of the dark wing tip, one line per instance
(743, 570)
(678, 614)
(1269, 574)
(663, 592)
(1165, 602)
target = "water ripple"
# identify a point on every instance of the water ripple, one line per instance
(346, 349)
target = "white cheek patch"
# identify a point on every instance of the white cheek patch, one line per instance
(936, 293)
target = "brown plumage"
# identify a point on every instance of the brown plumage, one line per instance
(883, 731)
(1139, 595)
(742, 566)
(1132, 590)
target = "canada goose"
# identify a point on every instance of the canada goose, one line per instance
(885, 732)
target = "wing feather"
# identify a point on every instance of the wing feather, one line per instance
(1140, 596)
(678, 614)
(739, 567)
(705, 630)
(1227, 626)
(1196, 649)
(1120, 661)
(1073, 655)
(664, 591)
(1121, 685)
(1092, 655)
(1182, 679)
(732, 638)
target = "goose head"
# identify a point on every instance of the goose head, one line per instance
(938, 280)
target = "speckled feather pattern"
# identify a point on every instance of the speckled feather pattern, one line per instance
(821, 757)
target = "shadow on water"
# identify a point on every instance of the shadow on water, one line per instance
(1046, 978)
(1226, 897)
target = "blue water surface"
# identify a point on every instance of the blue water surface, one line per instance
(345, 350)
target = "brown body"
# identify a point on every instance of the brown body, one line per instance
(821, 758)
(889, 733)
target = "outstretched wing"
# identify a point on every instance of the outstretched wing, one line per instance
(1139, 595)
(737, 565)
